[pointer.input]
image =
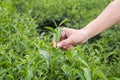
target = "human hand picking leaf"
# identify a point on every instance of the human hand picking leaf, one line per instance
(105, 20)
(69, 38)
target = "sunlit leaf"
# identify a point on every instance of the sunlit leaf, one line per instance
(87, 73)
(44, 53)
(30, 73)
(10, 77)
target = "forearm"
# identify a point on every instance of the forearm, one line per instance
(109, 17)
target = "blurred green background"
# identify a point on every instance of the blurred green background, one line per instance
(26, 51)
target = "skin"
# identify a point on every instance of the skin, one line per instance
(109, 17)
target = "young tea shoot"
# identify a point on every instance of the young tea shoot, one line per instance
(57, 32)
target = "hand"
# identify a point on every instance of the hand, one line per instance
(70, 38)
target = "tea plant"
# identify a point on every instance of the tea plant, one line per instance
(57, 32)
(27, 55)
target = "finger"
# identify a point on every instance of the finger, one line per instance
(65, 33)
(70, 48)
(54, 43)
(67, 47)
(63, 36)
(65, 42)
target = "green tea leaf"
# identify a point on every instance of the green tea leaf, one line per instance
(62, 22)
(51, 29)
(55, 23)
(2, 71)
(114, 78)
(87, 73)
(83, 61)
(10, 77)
(59, 33)
(30, 73)
(44, 53)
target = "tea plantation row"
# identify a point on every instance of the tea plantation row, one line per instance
(26, 54)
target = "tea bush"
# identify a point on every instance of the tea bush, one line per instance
(27, 55)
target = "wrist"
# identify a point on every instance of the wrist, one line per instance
(93, 28)
(84, 34)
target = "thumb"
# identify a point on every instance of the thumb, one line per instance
(65, 42)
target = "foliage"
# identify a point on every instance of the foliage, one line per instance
(26, 55)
